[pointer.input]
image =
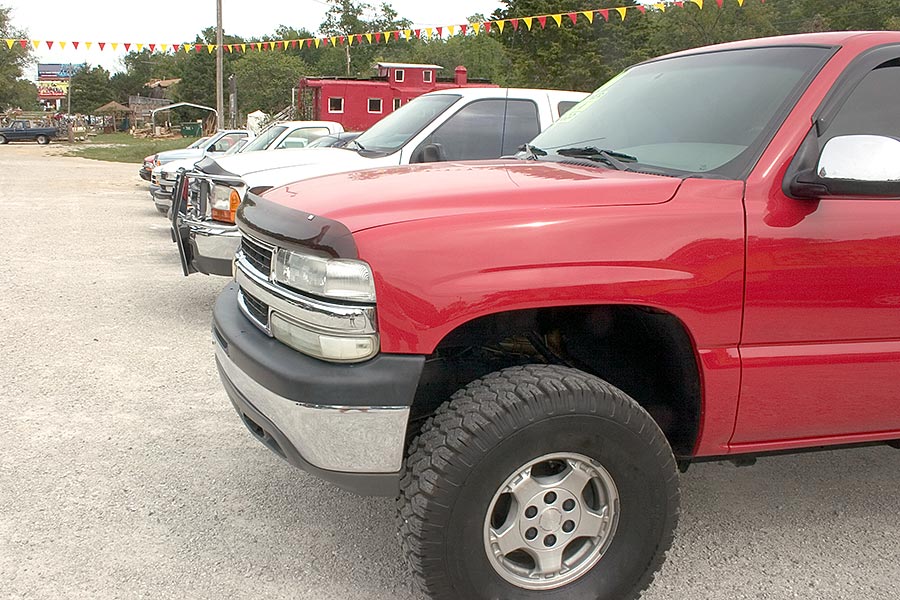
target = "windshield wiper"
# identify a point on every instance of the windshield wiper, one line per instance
(612, 158)
(533, 151)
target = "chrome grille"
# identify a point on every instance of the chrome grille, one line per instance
(258, 255)
(257, 309)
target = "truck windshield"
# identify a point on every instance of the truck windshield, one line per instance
(700, 114)
(395, 130)
(265, 138)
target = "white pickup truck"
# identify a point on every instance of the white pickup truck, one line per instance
(448, 125)
(277, 136)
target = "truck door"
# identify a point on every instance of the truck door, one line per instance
(821, 337)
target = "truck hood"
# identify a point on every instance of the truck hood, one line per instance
(170, 168)
(280, 163)
(374, 197)
(170, 155)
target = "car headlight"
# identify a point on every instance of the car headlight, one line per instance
(337, 348)
(224, 201)
(338, 278)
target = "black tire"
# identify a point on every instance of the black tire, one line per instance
(43, 140)
(491, 428)
(2, 139)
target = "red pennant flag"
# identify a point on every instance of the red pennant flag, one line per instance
(324, 41)
(49, 44)
(309, 42)
(487, 26)
(293, 43)
(175, 47)
(341, 39)
(515, 24)
(279, 45)
(440, 31)
(101, 44)
(643, 9)
(198, 47)
(152, 47)
(604, 13)
(463, 28)
(253, 46)
(359, 38)
(397, 35)
(573, 17)
(542, 21)
(679, 4)
(418, 33)
(719, 2)
(23, 43)
(76, 44)
(378, 37)
(127, 47)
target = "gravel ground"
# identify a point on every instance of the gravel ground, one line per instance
(125, 473)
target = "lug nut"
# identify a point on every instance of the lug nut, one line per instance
(531, 533)
(569, 526)
(530, 512)
(549, 540)
(568, 505)
(550, 497)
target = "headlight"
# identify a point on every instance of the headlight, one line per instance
(320, 345)
(338, 278)
(224, 201)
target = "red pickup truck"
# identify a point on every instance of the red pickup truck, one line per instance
(699, 261)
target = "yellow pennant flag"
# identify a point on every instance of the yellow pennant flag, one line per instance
(558, 19)
(62, 45)
(476, 27)
(115, 45)
(36, 43)
(350, 40)
(318, 41)
(333, 40)
(243, 47)
(589, 14)
(369, 37)
(186, 48)
(662, 7)
(210, 48)
(407, 33)
(500, 25)
(740, 2)
(528, 21)
(451, 29)
(163, 47)
(140, 47)
(428, 31)
(9, 43)
(87, 45)
(621, 11)
(698, 3)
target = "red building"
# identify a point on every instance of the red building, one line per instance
(357, 104)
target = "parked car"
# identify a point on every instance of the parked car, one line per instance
(24, 131)
(292, 134)
(452, 124)
(152, 161)
(700, 261)
(163, 177)
(217, 145)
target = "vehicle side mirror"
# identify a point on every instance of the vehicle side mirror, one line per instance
(433, 153)
(852, 165)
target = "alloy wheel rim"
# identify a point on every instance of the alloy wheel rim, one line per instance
(551, 521)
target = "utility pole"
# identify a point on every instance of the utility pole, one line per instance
(220, 93)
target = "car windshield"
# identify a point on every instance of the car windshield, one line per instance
(392, 132)
(696, 114)
(265, 139)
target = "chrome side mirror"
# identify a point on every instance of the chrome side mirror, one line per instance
(849, 165)
(871, 158)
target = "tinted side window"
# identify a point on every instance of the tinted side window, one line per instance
(521, 125)
(564, 106)
(301, 137)
(227, 142)
(874, 106)
(475, 132)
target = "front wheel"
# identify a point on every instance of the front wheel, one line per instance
(538, 482)
(43, 140)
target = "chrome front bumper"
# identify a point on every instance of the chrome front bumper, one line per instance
(214, 241)
(358, 440)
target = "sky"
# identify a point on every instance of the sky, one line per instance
(176, 21)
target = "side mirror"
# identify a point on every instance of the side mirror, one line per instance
(852, 165)
(433, 153)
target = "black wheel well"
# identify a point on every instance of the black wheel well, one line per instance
(645, 352)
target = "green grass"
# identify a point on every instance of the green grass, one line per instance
(122, 147)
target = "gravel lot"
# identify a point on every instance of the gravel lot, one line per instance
(125, 473)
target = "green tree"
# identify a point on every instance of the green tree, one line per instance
(265, 80)
(91, 89)
(346, 17)
(14, 91)
(197, 71)
(801, 16)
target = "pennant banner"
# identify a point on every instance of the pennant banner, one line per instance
(563, 19)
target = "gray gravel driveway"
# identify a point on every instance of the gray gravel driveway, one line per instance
(124, 472)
